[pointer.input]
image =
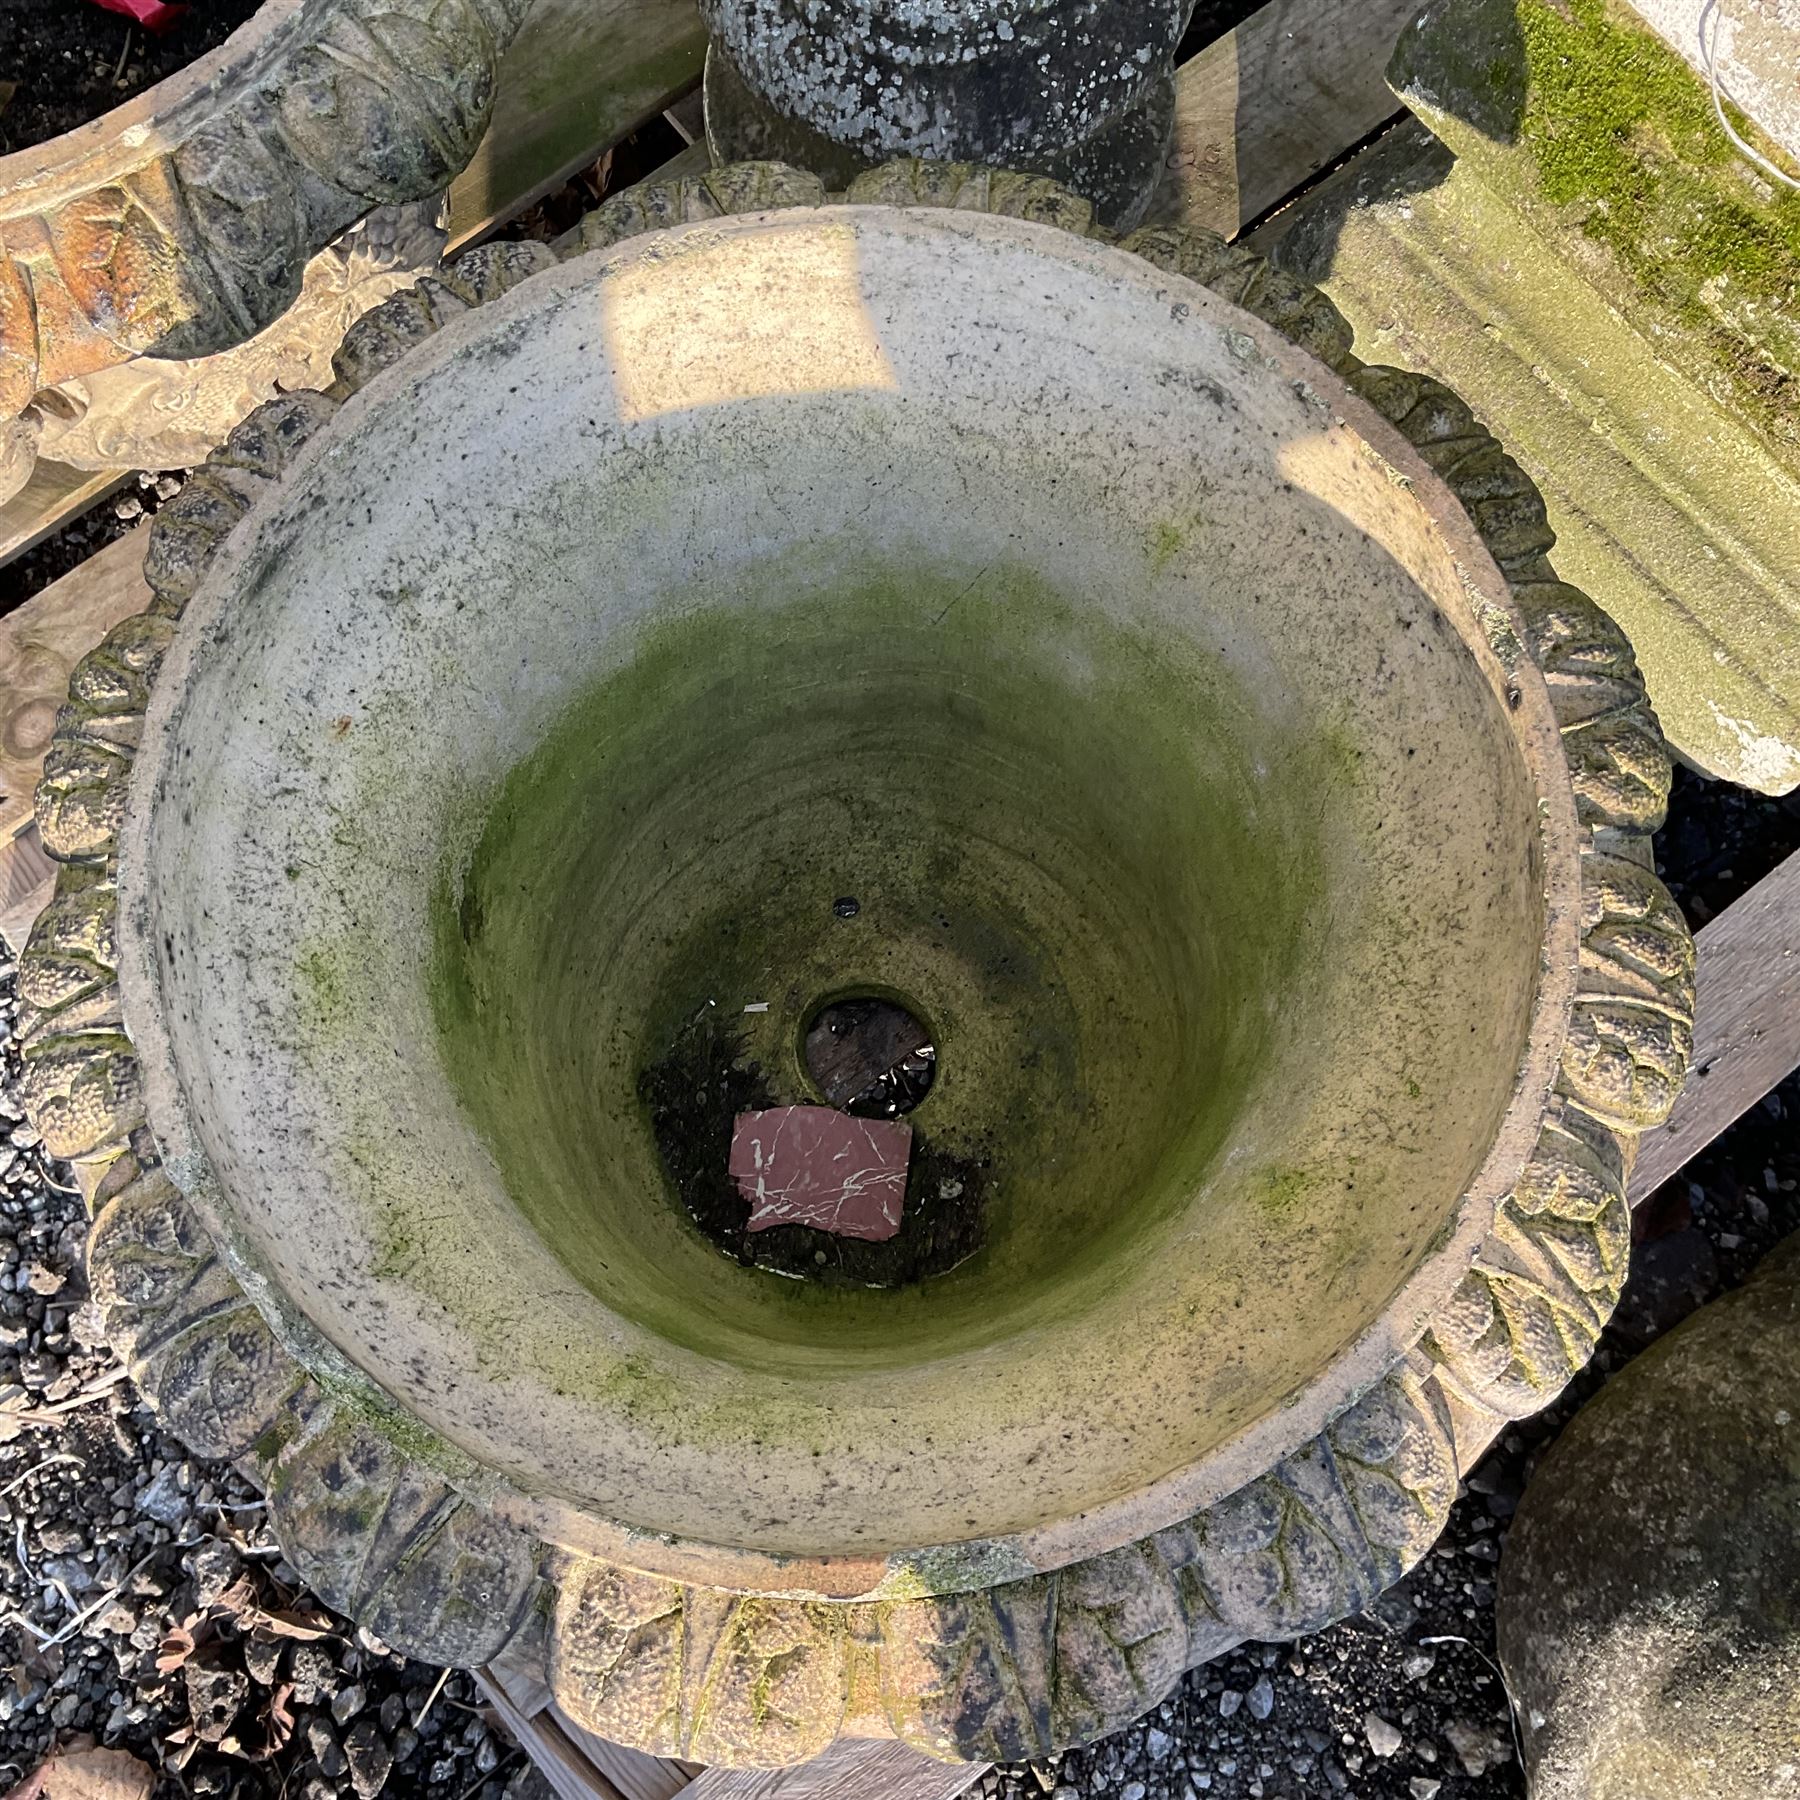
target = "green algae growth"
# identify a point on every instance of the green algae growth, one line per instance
(1062, 857)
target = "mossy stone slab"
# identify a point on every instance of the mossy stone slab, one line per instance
(1676, 512)
(1606, 144)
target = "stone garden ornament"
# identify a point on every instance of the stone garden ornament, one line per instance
(168, 266)
(1215, 763)
(1082, 90)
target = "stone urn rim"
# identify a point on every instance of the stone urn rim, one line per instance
(1490, 630)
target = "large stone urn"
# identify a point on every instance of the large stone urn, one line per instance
(817, 599)
(171, 264)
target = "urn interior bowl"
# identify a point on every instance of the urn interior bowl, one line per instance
(1134, 679)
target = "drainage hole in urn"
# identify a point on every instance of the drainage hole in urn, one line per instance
(870, 1057)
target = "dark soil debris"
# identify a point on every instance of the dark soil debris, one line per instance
(694, 1094)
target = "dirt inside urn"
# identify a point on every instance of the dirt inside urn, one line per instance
(695, 1092)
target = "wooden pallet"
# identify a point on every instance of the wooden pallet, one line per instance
(580, 1766)
(40, 644)
(1260, 114)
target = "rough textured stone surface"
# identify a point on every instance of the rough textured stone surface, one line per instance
(1116, 166)
(813, 1165)
(1000, 82)
(1651, 1586)
(155, 412)
(1009, 1670)
(1021, 1669)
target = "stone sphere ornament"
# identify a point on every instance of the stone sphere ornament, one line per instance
(1214, 767)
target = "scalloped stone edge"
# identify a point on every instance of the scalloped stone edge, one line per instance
(1003, 1672)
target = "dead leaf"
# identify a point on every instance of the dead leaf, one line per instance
(277, 1727)
(182, 1737)
(88, 1774)
(176, 1647)
(238, 1600)
(308, 1626)
(280, 1720)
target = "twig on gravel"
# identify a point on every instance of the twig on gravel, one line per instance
(49, 1462)
(105, 1600)
(443, 1676)
(30, 1415)
(1512, 1709)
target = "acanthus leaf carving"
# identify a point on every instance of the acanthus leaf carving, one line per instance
(386, 1540)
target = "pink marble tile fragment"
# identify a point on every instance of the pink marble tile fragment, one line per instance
(813, 1165)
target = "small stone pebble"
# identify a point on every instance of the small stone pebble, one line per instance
(1261, 1698)
(371, 1758)
(1384, 1737)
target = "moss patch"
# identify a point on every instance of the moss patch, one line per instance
(1083, 854)
(1622, 132)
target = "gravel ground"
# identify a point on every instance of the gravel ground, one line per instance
(142, 1600)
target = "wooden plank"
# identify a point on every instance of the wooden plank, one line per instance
(688, 116)
(27, 879)
(41, 642)
(852, 1769)
(1266, 107)
(570, 1775)
(53, 496)
(580, 76)
(1747, 1029)
(635, 1775)
(520, 1677)
(519, 1669)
